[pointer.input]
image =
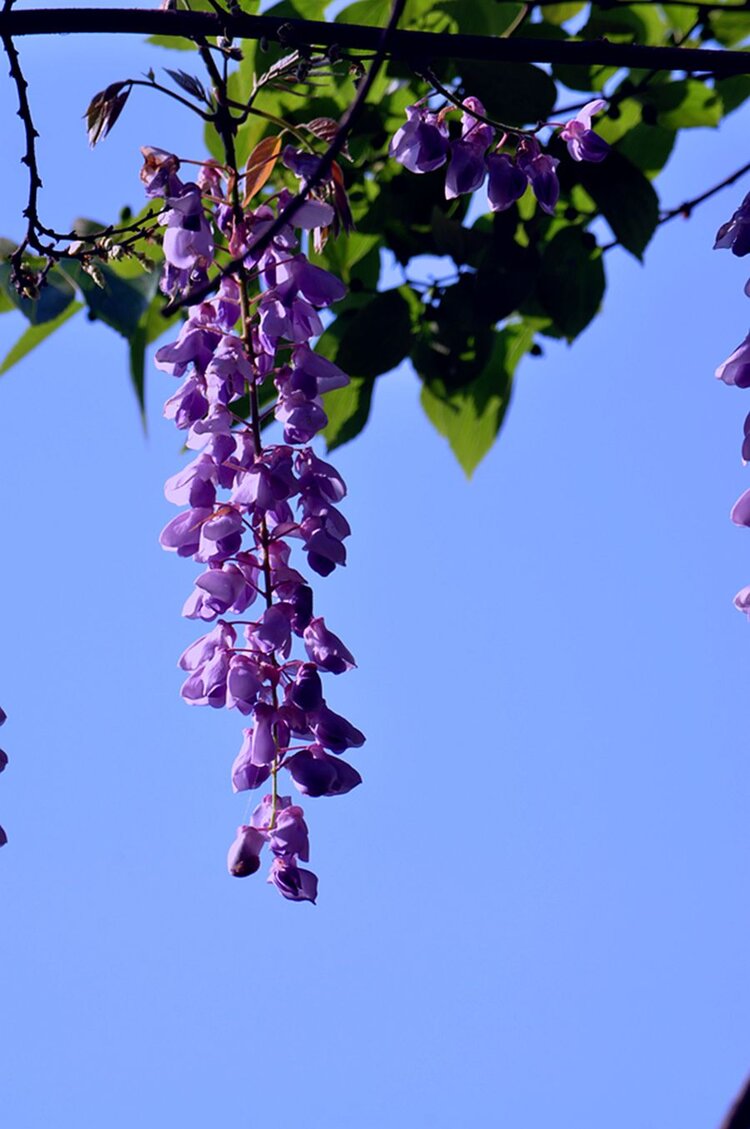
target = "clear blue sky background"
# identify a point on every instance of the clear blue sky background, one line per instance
(535, 911)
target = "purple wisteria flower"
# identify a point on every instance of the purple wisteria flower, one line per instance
(740, 513)
(583, 143)
(3, 766)
(506, 183)
(293, 882)
(742, 601)
(421, 144)
(243, 858)
(736, 368)
(735, 233)
(541, 170)
(467, 167)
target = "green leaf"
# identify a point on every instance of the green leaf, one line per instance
(34, 336)
(471, 416)
(481, 17)
(729, 28)
(618, 120)
(400, 213)
(571, 280)
(342, 253)
(121, 302)
(559, 13)
(149, 329)
(733, 91)
(681, 19)
(622, 24)
(514, 92)
(372, 13)
(137, 361)
(377, 336)
(588, 78)
(299, 9)
(348, 410)
(54, 297)
(455, 336)
(685, 104)
(625, 198)
(648, 147)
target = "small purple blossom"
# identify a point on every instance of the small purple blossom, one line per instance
(583, 143)
(244, 854)
(740, 513)
(742, 601)
(736, 368)
(735, 233)
(540, 169)
(292, 881)
(507, 182)
(421, 144)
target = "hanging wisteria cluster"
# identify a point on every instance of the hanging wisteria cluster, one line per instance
(3, 763)
(734, 235)
(423, 144)
(249, 499)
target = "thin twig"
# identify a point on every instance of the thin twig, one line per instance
(686, 208)
(152, 84)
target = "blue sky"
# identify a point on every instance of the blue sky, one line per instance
(535, 908)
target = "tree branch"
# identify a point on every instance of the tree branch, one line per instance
(418, 46)
(739, 1115)
(685, 209)
(30, 212)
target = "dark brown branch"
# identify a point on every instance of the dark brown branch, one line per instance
(322, 172)
(739, 1115)
(417, 46)
(30, 212)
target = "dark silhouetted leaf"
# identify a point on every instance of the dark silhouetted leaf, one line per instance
(121, 302)
(190, 84)
(571, 280)
(463, 244)
(625, 198)
(733, 91)
(377, 337)
(104, 110)
(514, 92)
(648, 147)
